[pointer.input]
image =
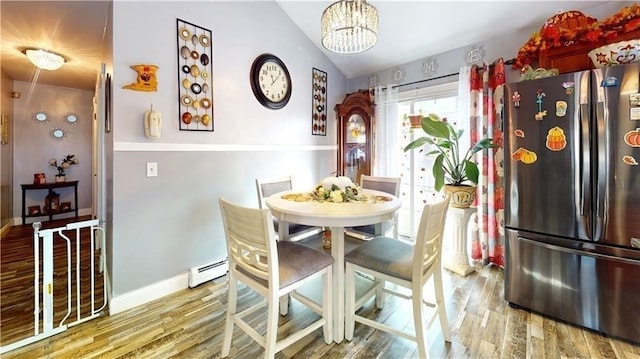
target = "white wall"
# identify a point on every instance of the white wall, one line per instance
(34, 146)
(164, 225)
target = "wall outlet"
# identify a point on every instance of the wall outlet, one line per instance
(152, 169)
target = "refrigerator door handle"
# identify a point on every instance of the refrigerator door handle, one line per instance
(601, 184)
(579, 252)
(585, 179)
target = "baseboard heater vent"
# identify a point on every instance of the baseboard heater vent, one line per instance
(207, 272)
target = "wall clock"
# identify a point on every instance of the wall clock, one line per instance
(270, 81)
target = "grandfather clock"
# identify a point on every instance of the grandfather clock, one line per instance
(355, 134)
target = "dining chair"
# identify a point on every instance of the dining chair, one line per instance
(406, 265)
(267, 187)
(389, 185)
(272, 269)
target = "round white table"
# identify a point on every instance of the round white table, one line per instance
(335, 216)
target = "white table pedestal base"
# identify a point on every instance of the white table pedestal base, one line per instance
(455, 256)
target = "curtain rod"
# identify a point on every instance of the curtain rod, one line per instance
(425, 80)
(508, 62)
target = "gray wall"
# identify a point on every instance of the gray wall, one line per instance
(34, 146)
(164, 225)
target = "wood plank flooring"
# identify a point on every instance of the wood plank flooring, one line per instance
(189, 324)
(17, 275)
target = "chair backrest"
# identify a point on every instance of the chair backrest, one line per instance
(251, 242)
(389, 185)
(428, 246)
(270, 186)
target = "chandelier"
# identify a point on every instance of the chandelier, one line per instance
(44, 59)
(349, 26)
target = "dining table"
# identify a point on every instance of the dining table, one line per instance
(295, 207)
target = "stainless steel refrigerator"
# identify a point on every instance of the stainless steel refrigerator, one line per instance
(572, 198)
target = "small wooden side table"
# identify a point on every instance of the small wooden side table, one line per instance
(49, 186)
(455, 257)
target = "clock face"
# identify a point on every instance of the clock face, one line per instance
(273, 82)
(270, 81)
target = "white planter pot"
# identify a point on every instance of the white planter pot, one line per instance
(461, 196)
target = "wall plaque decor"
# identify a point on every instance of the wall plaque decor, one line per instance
(319, 103)
(147, 79)
(195, 73)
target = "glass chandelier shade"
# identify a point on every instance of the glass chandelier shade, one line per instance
(44, 59)
(349, 26)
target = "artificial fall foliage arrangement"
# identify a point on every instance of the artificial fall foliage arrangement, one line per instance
(573, 27)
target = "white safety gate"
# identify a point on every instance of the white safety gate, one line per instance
(44, 325)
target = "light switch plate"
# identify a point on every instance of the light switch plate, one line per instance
(152, 169)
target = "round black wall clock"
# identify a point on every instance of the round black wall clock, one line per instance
(270, 81)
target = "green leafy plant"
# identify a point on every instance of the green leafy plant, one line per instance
(450, 166)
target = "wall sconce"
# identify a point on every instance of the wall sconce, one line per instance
(44, 59)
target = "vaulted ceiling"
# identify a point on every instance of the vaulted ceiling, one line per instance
(409, 30)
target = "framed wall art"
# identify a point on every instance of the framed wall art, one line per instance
(319, 103)
(195, 71)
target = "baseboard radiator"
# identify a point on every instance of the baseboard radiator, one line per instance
(207, 272)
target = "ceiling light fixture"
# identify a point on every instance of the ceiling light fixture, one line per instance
(349, 26)
(44, 59)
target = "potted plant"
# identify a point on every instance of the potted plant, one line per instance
(453, 170)
(65, 163)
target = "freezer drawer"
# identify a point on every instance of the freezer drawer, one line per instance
(555, 277)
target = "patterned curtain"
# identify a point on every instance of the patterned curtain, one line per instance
(486, 110)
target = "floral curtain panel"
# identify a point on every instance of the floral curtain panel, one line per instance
(486, 99)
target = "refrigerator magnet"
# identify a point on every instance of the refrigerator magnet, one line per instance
(629, 160)
(634, 113)
(632, 138)
(556, 139)
(539, 96)
(568, 87)
(561, 108)
(516, 99)
(610, 81)
(525, 156)
(634, 99)
(540, 115)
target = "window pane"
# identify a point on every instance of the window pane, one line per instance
(416, 167)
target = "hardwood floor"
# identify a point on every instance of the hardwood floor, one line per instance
(189, 324)
(17, 276)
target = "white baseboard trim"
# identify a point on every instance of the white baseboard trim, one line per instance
(5, 228)
(147, 294)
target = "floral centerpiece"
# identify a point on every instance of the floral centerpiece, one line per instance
(65, 163)
(337, 189)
